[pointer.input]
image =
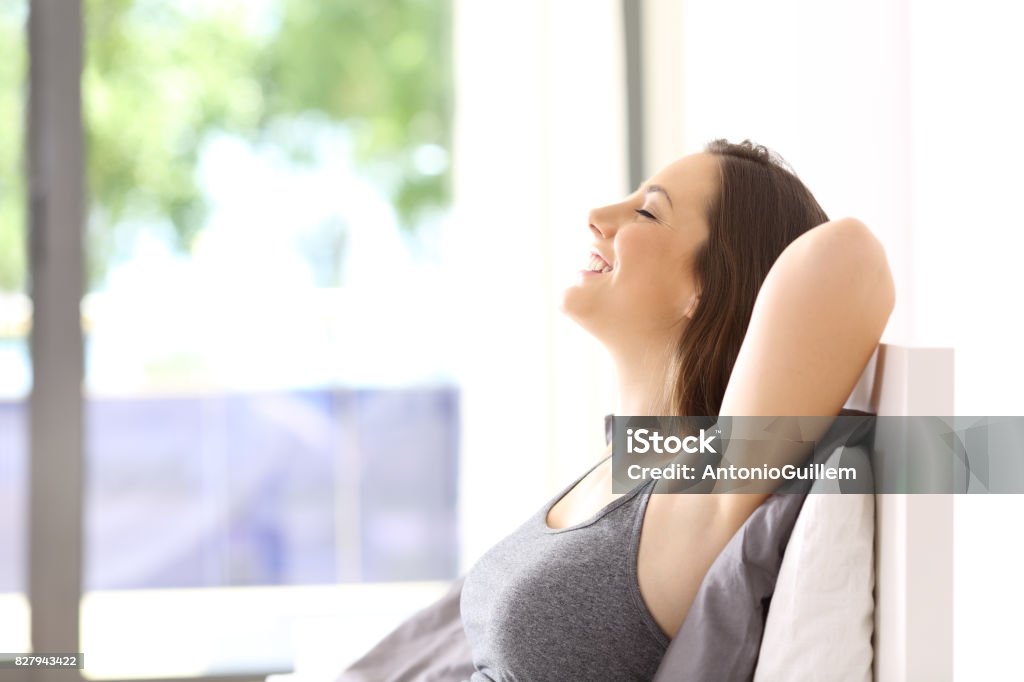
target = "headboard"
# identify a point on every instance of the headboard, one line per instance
(913, 637)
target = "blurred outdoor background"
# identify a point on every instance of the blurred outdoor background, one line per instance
(324, 244)
(269, 396)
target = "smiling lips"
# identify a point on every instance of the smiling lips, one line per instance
(598, 264)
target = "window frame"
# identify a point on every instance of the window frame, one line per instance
(56, 213)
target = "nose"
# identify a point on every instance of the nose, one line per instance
(602, 223)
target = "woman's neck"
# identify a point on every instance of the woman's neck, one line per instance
(643, 379)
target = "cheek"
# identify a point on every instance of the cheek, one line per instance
(639, 250)
(657, 271)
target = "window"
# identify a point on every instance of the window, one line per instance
(270, 470)
(15, 318)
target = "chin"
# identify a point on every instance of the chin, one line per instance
(574, 303)
(581, 309)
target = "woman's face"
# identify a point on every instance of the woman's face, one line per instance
(641, 281)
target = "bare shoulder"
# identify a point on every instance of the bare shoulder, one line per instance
(818, 317)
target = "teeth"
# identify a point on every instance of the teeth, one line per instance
(597, 265)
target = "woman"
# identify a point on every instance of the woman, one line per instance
(719, 287)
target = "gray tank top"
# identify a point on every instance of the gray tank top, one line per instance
(550, 604)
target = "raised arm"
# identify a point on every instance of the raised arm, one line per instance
(818, 317)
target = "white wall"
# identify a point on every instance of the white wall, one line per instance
(968, 174)
(968, 177)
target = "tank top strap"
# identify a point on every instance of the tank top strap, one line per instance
(643, 491)
(565, 491)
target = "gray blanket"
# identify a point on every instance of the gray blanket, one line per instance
(428, 647)
(719, 640)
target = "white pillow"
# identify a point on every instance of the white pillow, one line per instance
(821, 616)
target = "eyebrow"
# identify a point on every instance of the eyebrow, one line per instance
(660, 189)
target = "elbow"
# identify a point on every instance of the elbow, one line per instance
(872, 264)
(851, 249)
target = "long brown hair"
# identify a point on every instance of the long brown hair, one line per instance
(760, 208)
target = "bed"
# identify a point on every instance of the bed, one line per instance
(913, 621)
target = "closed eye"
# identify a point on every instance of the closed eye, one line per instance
(646, 214)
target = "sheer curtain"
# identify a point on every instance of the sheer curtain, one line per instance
(540, 139)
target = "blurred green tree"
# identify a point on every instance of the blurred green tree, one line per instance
(161, 76)
(12, 115)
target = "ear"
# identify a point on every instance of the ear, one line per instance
(691, 307)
